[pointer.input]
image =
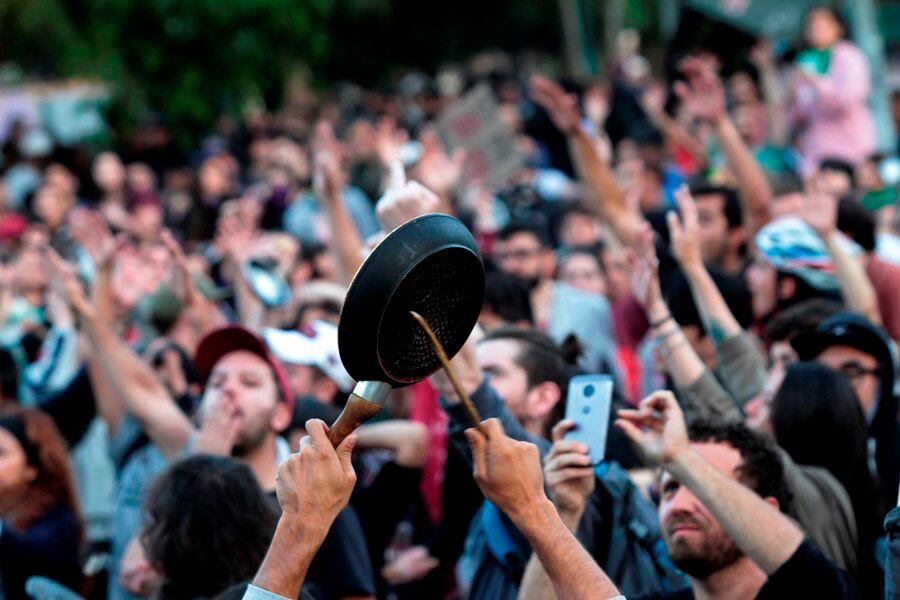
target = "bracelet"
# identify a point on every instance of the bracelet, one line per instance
(663, 321)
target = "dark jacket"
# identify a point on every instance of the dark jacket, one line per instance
(50, 548)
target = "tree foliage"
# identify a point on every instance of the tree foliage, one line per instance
(188, 60)
(192, 60)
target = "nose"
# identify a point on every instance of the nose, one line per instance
(682, 503)
(229, 387)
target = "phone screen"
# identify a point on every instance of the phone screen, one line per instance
(588, 404)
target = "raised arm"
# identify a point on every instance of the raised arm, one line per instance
(681, 361)
(328, 183)
(404, 200)
(604, 192)
(487, 402)
(313, 486)
(741, 366)
(773, 91)
(702, 392)
(820, 212)
(509, 474)
(236, 240)
(143, 394)
(685, 238)
(570, 480)
(704, 97)
(205, 317)
(653, 101)
(758, 528)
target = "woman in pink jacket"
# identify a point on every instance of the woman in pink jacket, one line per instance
(831, 88)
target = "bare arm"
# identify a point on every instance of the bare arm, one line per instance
(408, 440)
(681, 361)
(653, 102)
(856, 287)
(569, 567)
(109, 405)
(509, 474)
(773, 92)
(754, 524)
(293, 547)
(685, 238)
(603, 190)
(236, 239)
(571, 481)
(704, 97)
(605, 194)
(758, 528)
(205, 316)
(754, 188)
(313, 486)
(134, 382)
(328, 183)
(820, 212)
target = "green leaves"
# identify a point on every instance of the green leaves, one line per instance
(186, 59)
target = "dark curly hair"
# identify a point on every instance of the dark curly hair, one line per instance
(208, 526)
(760, 467)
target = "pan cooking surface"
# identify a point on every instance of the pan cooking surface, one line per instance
(447, 290)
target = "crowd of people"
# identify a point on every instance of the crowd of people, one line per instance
(725, 247)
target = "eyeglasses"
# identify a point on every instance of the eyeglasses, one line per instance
(517, 254)
(854, 370)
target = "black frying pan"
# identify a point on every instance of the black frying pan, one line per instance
(430, 265)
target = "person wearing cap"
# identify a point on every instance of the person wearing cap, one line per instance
(862, 351)
(247, 402)
(791, 266)
(312, 361)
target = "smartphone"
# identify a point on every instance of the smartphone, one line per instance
(588, 405)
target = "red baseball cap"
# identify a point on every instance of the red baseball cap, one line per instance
(225, 340)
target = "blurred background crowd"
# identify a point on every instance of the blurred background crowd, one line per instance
(698, 196)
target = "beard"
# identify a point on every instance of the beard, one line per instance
(700, 559)
(530, 283)
(250, 438)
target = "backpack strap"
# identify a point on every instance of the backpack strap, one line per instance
(499, 538)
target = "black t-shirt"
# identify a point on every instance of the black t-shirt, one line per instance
(807, 574)
(341, 567)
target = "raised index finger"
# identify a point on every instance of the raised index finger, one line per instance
(398, 176)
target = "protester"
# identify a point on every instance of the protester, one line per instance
(722, 492)
(40, 525)
(523, 250)
(829, 92)
(181, 546)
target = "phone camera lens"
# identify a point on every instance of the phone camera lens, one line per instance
(589, 390)
(586, 409)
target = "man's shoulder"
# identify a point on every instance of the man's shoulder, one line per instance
(808, 573)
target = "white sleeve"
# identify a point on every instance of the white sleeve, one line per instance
(257, 593)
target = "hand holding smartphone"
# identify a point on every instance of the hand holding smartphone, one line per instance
(588, 406)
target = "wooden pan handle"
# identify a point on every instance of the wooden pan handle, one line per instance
(355, 413)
